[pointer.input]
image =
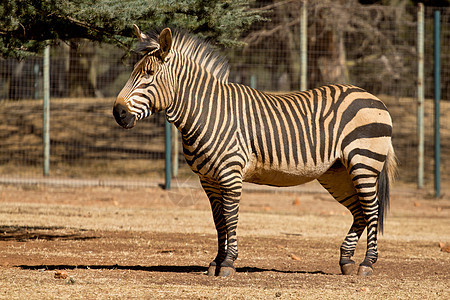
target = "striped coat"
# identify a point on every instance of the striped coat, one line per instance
(337, 134)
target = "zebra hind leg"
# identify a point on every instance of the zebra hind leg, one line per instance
(366, 187)
(371, 173)
(338, 183)
(369, 203)
(365, 180)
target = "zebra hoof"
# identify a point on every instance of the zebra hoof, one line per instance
(365, 270)
(212, 269)
(227, 271)
(348, 268)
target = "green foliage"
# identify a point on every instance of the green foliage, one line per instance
(27, 26)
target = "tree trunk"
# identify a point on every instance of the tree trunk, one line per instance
(326, 53)
(82, 69)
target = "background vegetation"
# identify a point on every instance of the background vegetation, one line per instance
(371, 44)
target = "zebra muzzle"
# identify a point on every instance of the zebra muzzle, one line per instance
(123, 117)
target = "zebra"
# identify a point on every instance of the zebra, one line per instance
(339, 135)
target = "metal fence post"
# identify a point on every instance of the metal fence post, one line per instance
(168, 154)
(420, 95)
(437, 98)
(46, 111)
(253, 81)
(175, 150)
(303, 47)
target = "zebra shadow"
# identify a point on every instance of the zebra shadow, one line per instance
(162, 269)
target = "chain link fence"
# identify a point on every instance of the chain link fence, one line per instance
(374, 47)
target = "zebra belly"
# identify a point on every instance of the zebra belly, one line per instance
(283, 176)
(277, 178)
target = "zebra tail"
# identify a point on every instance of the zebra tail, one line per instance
(387, 175)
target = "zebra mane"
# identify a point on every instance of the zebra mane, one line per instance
(192, 47)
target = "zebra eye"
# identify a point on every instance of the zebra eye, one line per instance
(148, 73)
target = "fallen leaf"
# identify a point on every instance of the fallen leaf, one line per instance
(364, 289)
(416, 204)
(296, 202)
(444, 247)
(295, 257)
(267, 208)
(61, 274)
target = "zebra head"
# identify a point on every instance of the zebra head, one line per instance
(148, 89)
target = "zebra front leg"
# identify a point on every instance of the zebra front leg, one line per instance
(215, 199)
(231, 194)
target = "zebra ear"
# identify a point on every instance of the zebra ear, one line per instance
(165, 42)
(140, 36)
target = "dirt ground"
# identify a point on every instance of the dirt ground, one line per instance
(151, 243)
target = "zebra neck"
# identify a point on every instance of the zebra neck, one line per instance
(196, 95)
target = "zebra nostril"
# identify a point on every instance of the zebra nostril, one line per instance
(120, 112)
(123, 117)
